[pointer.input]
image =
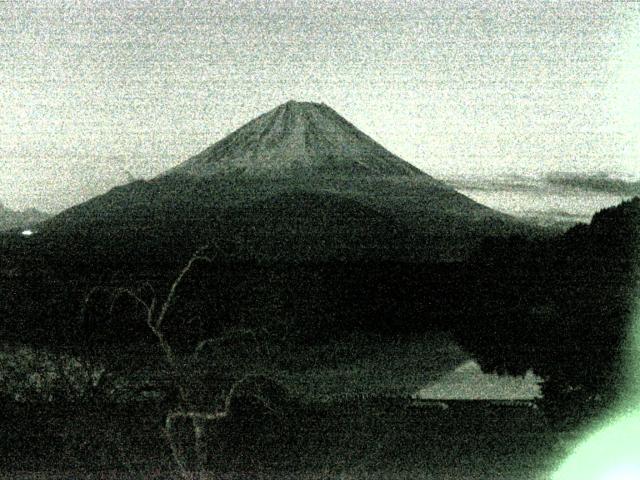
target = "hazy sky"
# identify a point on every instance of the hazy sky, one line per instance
(91, 89)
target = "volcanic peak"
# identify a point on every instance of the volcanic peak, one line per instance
(297, 138)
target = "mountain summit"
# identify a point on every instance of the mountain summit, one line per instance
(297, 138)
(297, 184)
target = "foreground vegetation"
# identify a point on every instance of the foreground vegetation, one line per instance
(372, 439)
(210, 370)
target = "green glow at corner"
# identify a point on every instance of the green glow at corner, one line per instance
(613, 451)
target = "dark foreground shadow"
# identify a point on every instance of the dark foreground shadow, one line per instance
(372, 439)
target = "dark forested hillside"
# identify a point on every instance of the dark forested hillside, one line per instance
(560, 306)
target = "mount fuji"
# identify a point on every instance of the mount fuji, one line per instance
(298, 183)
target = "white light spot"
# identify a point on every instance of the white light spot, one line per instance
(27, 233)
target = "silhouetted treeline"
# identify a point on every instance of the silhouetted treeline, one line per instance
(559, 306)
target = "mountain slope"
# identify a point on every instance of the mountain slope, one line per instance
(297, 138)
(298, 183)
(255, 221)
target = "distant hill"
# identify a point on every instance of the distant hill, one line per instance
(299, 183)
(563, 306)
(14, 220)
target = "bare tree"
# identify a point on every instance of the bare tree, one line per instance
(155, 315)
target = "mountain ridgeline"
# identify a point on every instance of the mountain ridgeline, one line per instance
(297, 184)
(307, 220)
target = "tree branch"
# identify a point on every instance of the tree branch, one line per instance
(119, 292)
(172, 292)
(154, 322)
